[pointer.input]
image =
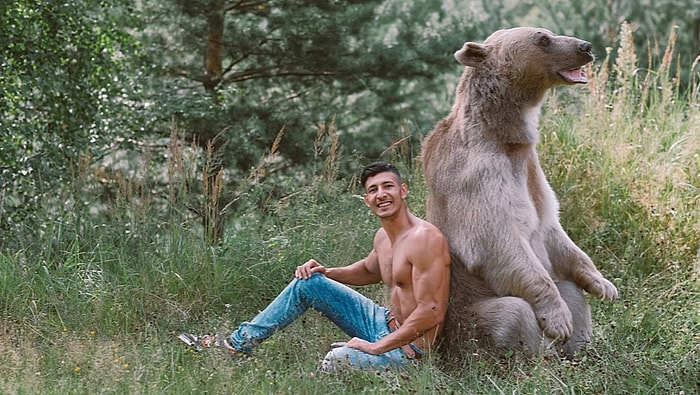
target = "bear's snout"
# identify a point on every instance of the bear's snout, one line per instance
(585, 46)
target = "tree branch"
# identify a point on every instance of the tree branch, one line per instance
(243, 4)
(267, 73)
(244, 56)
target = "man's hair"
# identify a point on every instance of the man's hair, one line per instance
(375, 168)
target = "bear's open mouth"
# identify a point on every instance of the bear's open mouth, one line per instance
(574, 76)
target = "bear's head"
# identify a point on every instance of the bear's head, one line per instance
(529, 58)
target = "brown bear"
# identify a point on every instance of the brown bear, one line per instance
(516, 273)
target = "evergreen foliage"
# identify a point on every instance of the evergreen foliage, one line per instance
(296, 65)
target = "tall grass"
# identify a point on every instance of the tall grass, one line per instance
(92, 303)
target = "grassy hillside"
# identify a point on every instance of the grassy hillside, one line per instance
(91, 304)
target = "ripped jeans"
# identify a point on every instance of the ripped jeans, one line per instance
(355, 314)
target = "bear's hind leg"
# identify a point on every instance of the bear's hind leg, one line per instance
(508, 324)
(582, 322)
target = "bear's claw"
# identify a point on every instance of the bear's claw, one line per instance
(557, 323)
(602, 289)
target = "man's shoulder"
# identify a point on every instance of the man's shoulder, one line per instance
(426, 228)
(381, 238)
(380, 234)
(424, 233)
(425, 246)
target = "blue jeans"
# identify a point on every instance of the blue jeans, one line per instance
(355, 314)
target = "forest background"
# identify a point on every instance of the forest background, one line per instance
(165, 164)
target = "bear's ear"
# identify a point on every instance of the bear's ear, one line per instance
(473, 54)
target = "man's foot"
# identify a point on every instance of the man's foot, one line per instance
(198, 343)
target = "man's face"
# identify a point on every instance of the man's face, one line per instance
(384, 194)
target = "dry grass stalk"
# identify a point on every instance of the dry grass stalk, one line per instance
(213, 179)
(695, 91)
(332, 162)
(262, 169)
(176, 168)
(626, 62)
(327, 144)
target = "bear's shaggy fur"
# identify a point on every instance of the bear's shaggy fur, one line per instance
(516, 274)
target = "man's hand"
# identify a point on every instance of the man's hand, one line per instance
(310, 267)
(362, 345)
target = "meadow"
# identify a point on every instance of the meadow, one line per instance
(92, 304)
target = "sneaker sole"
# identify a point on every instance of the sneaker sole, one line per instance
(190, 340)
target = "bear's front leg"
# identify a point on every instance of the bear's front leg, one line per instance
(570, 263)
(516, 271)
(552, 313)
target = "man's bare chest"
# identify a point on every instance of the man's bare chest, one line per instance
(395, 267)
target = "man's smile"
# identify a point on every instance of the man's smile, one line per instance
(385, 203)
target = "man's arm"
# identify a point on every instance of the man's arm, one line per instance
(358, 273)
(429, 256)
(363, 272)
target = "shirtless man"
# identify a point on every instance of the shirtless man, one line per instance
(409, 255)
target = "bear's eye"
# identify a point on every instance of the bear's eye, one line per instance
(544, 40)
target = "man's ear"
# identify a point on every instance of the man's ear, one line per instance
(364, 197)
(404, 191)
(473, 54)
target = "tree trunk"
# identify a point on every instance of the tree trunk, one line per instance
(215, 35)
(212, 219)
